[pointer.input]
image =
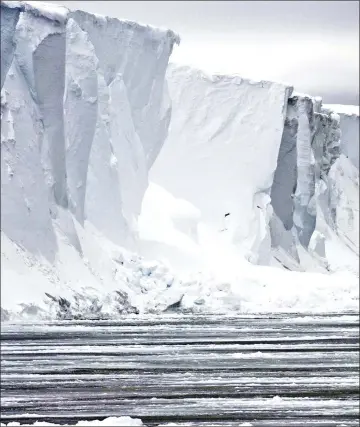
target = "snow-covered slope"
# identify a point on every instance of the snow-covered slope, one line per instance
(248, 174)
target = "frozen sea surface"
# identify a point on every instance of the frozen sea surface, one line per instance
(267, 370)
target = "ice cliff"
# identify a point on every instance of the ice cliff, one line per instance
(89, 94)
(84, 111)
(263, 166)
(246, 175)
(307, 195)
(222, 150)
(349, 125)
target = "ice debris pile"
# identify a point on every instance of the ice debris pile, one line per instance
(247, 176)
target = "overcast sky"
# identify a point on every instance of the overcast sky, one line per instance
(314, 45)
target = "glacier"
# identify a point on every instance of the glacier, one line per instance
(130, 185)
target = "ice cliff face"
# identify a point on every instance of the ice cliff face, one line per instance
(221, 152)
(84, 112)
(349, 125)
(9, 19)
(315, 206)
(268, 158)
(84, 109)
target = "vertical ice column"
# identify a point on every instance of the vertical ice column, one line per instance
(25, 216)
(140, 55)
(285, 177)
(40, 53)
(304, 209)
(132, 119)
(9, 19)
(300, 194)
(349, 125)
(80, 112)
(49, 73)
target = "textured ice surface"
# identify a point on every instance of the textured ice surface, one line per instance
(310, 197)
(349, 125)
(308, 148)
(9, 19)
(285, 177)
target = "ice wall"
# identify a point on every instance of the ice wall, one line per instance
(309, 146)
(349, 125)
(138, 56)
(40, 58)
(222, 149)
(84, 113)
(265, 157)
(314, 190)
(9, 19)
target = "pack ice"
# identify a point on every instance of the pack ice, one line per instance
(247, 177)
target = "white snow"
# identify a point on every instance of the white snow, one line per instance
(168, 229)
(343, 109)
(85, 111)
(53, 12)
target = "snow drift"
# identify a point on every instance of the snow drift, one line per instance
(247, 176)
